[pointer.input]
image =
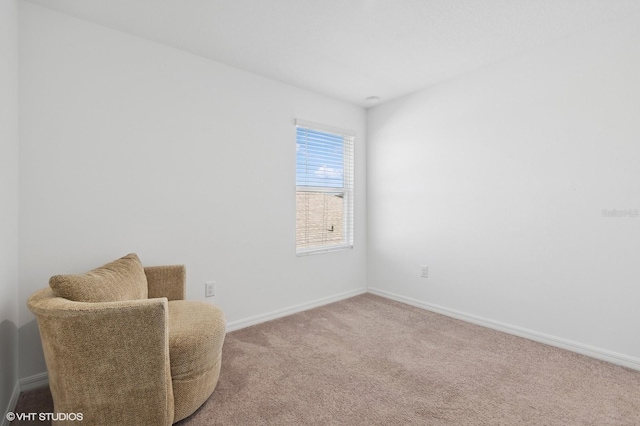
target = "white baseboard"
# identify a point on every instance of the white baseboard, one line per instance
(36, 381)
(591, 351)
(12, 403)
(257, 319)
(23, 385)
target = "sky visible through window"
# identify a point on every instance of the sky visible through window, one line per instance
(319, 159)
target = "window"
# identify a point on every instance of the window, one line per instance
(324, 188)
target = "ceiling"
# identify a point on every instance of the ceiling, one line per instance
(352, 49)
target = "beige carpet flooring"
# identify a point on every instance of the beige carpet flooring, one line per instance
(371, 361)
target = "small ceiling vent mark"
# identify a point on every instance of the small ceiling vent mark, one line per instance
(372, 100)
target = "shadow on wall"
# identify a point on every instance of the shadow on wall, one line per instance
(8, 357)
(30, 349)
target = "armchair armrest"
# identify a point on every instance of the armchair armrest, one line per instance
(109, 361)
(166, 281)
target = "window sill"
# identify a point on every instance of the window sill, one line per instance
(326, 249)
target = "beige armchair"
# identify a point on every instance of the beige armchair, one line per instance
(123, 347)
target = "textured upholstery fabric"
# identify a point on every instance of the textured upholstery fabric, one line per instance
(196, 335)
(166, 281)
(109, 360)
(122, 279)
(112, 361)
(191, 394)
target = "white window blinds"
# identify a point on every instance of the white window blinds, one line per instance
(324, 188)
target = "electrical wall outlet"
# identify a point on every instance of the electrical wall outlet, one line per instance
(210, 288)
(424, 271)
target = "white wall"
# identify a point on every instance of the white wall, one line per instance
(128, 145)
(8, 200)
(497, 181)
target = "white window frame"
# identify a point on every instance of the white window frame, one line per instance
(348, 138)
